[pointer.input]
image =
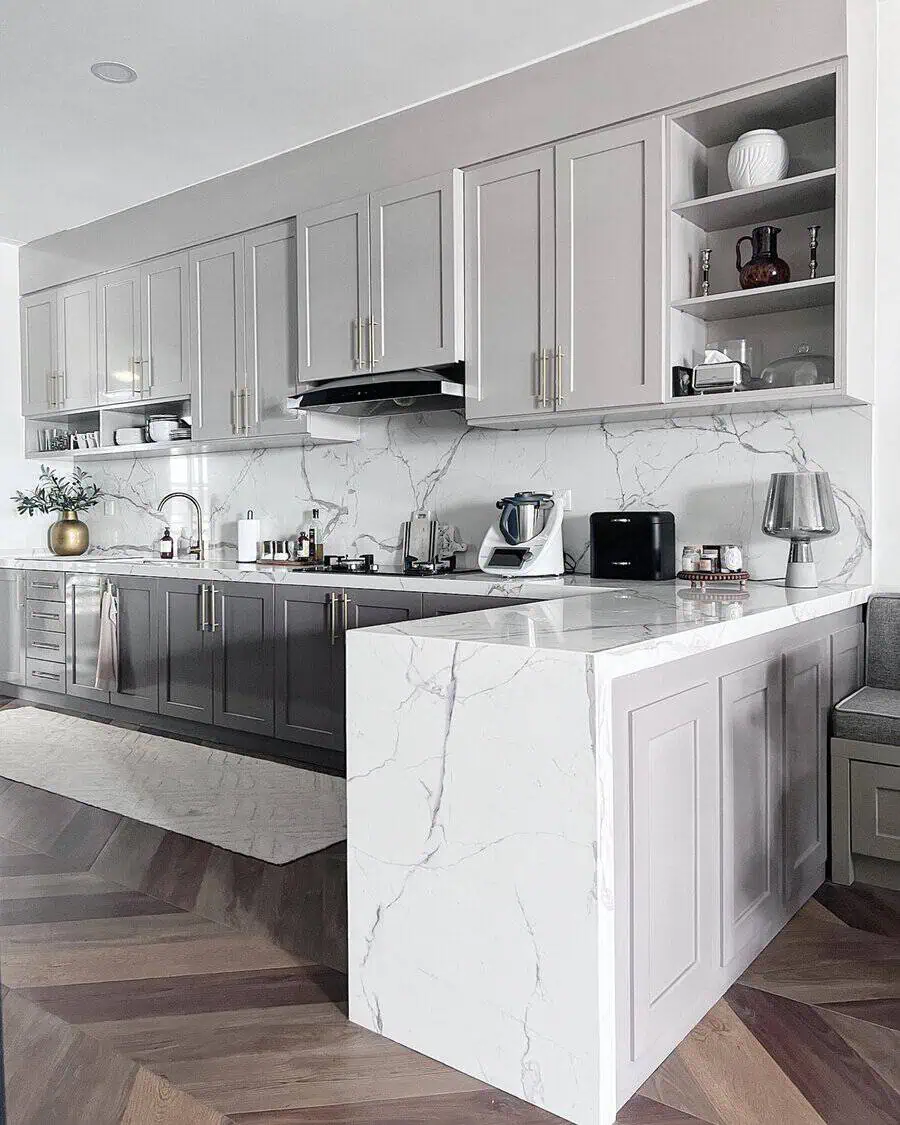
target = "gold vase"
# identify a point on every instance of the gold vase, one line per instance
(69, 535)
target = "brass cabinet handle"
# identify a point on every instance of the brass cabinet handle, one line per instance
(373, 351)
(559, 397)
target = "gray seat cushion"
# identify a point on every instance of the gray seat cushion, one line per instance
(871, 714)
(883, 642)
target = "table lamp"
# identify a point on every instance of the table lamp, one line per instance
(800, 507)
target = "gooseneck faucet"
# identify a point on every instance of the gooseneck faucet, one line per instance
(198, 549)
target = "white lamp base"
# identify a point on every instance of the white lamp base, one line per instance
(801, 575)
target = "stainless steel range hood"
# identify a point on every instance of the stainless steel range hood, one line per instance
(398, 392)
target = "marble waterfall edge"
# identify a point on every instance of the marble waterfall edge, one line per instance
(511, 832)
(711, 471)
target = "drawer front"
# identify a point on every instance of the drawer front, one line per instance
(45, 675)
(43, 645)
(49, 617)
(875, 809)
(46, 587)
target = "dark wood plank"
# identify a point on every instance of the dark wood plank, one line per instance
(885, 1013)
(173, 996)
(176, 870)
(85, 836)
(70, 908)
(35, 863)
(835, 1080)
(644, 1111)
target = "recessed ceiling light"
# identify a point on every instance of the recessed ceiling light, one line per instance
(113, 72)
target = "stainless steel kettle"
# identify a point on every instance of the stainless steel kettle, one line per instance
(523, 515)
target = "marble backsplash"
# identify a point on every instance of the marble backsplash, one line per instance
(712, 472)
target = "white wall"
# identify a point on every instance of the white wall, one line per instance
(15, 471)
(886, 416)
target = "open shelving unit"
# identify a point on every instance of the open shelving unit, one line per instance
(705, 212)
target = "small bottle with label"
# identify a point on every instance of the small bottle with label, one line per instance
(167, 546)
(316, 541)
(301, 548)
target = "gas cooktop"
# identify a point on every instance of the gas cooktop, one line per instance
(366, 565)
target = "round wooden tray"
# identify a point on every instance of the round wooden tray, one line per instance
(700, 578)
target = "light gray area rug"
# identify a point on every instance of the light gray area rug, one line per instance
(262, 809)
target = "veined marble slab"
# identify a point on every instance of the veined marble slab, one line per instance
(262, 809)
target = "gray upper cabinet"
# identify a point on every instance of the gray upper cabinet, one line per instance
(609, 268)
(39, 328)
(416, 259)
(165, 370)
(270, 285)
(510, 287)
(12, 626)
(217, 337)
(564, 260)
(119, 335)
(333, 289)
(76, 304)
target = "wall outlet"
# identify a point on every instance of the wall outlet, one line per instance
(109, 507)
(567, 500)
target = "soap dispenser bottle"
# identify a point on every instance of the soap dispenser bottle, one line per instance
(167, 545)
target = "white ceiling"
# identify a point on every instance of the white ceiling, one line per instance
(224, 83)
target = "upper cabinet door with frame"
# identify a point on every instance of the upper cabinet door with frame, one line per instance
(270, 286)
(416, 243)
(510, 284)
(165, 368)
(77, 380)
(119, 335)
(217, 337)
(333, 289)
(610, 250)
(40, 351)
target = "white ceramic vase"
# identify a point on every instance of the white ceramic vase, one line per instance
(758, 157)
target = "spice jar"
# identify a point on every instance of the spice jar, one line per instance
(690, 556)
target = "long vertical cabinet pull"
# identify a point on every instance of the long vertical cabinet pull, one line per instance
(329, 602)
(213, 620)
(373, 351)
(559, 398)
(345, 607)
(204, 611)
(234, 425)
(357, 328)
(61, 381)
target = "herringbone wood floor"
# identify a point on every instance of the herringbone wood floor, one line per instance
(123, 1006)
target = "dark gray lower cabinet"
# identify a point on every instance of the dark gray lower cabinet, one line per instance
(310, 625)
(12, 626)
(220, 674)
(138, 679)
(243, 658)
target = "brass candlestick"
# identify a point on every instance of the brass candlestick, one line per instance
(813, 247)
(704, 265)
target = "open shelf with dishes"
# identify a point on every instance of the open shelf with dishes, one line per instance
(783, 330)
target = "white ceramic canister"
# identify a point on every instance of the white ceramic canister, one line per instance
(758, 157)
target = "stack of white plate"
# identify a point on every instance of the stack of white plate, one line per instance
(129, 435)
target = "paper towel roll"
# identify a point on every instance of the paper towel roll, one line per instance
(248, 539)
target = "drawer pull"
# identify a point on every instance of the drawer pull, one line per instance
(45, 616)
(44, 586)
(45, 675)
(45, 644)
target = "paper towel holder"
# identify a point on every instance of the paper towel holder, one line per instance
(248, 538)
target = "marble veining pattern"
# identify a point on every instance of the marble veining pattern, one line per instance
(712, 472)
(258, 808)
(498, 836)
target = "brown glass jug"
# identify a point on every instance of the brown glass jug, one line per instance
(764, 267)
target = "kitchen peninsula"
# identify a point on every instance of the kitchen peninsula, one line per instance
(573, 823)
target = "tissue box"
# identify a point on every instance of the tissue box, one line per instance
(727, 375)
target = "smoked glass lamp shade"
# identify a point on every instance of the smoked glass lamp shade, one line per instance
(800, 507)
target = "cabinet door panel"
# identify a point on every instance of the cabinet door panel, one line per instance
(309, 697)
(77, 308)
(674, 840)
(217, 336)
(185, 657)
(510, 283)
(39, 329)
(847, 661)
(270, 278)
(244, 665)
(609, 232)
(83, 593)
(333, 288)
(416, 229)
(138, 651)
(12, 626)
(751, 804)
(119, 318)
(875, 809)
(807, 697)
(165, 339)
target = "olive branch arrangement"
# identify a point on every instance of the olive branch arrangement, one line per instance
(59, 493)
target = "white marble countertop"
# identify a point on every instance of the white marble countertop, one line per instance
(227, 570)
(631, 626)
